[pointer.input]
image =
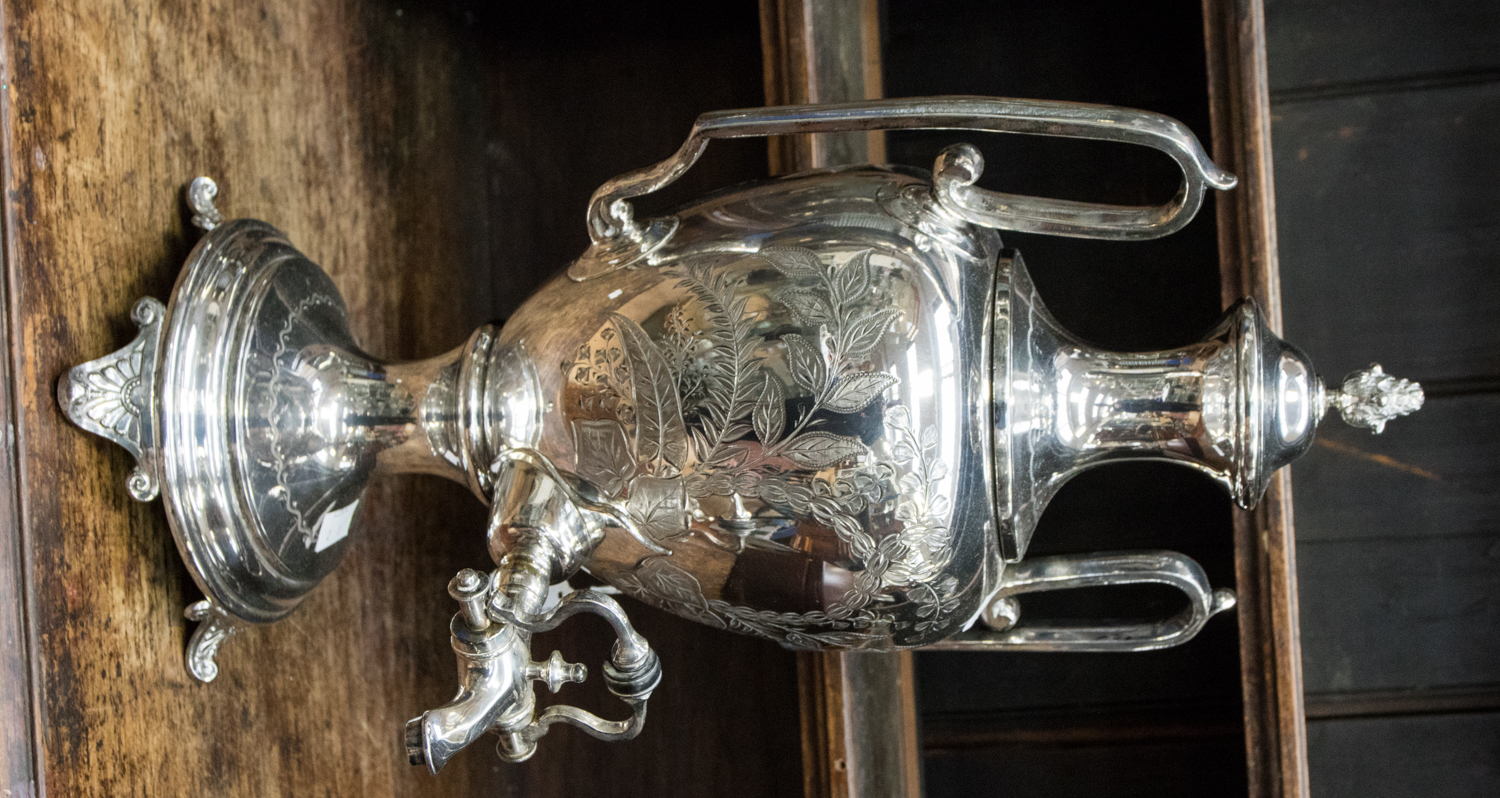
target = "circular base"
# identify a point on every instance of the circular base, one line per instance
(260, 497)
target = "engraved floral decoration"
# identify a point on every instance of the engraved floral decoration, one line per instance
(112, 395)
(702, 411)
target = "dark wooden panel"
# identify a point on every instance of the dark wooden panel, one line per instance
(1202, 766)
(1137, 295)
(1391, 228)
(1328, 43)
(578, 92)
(1399, 613)
(1453, 756)
(1432, 474)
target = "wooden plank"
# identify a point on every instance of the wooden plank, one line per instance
(1399, 613)
(1398, 266)
(1320, 47)
(1102, 725)
(321, 118)
(1265, 549)
(1427, 476)
(19, 724)
(1448, 755)
(1205, 765)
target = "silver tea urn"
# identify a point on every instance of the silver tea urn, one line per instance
(826, 410)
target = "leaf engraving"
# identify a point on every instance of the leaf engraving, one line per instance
(808, 367)
(770, 412)
(656, 506)
(660, 432)
(855, 392)
(604, 456)
(730, 380)
(852, 281)
(808, 307)
(863, 332)
(794, 262)
(822, 449)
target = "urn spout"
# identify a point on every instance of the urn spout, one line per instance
(493, 691)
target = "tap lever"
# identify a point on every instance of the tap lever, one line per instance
(556, 672)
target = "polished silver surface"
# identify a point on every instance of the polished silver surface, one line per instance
(826, 410)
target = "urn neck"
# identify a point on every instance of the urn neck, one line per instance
(469, 404)
(1236, 405)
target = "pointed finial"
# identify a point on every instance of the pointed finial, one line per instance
(1370, 397)
(200, 197)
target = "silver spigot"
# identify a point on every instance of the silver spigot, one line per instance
(492, 638)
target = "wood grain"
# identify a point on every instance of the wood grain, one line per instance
(325, 119)
(1265, 551)
(1340, 46)
(1430, 475)
(1401, 613)
(1384, 125)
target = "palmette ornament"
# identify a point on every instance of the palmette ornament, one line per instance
(826, 410)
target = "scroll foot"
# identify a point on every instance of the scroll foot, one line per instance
(214, 627)
(200, 197)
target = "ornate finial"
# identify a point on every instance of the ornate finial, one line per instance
(114, 396)
(1370, 397)
(200, 197)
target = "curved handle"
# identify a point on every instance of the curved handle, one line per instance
(611, 219)
(1075, 571)
(631, 674)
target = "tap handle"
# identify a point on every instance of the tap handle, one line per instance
(632, 672)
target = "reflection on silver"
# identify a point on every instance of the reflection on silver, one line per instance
(827, 410)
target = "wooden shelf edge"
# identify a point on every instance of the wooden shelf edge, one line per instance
(1265, 551)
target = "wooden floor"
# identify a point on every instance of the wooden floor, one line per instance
(1386, 127)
